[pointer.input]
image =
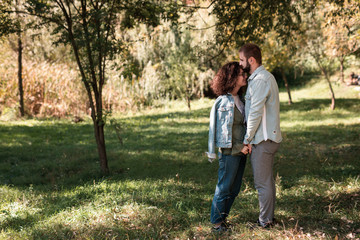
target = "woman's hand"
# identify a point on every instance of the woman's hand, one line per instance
(245, 150)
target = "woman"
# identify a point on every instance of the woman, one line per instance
(227, 131)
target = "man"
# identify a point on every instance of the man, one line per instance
(263, 136)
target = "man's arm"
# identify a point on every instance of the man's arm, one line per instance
(259, 92)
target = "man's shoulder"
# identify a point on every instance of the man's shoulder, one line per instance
(263, 75)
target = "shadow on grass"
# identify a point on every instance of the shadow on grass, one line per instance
(350, 104)
(65, 153)
(46, 154)
(327, 154)
(68, 232)
(18, 223)
(335, 215)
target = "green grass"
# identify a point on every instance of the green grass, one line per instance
(161, 184)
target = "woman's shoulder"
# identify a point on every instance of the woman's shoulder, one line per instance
(223, 100)
(224, 97)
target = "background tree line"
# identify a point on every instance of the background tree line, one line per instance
(174, 61)
(62, 58)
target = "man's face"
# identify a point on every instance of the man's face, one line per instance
(244, 63)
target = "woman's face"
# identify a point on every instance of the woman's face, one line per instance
(242, 79)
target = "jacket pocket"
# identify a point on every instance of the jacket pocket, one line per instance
(224, 109)
(224, 114)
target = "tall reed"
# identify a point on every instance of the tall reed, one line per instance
(56, 90)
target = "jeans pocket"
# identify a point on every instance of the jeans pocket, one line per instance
(220, 155)
(222, 169)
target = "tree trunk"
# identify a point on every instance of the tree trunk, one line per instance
(100, 142)
(188, 100)
(332, 94)
(332, 107)
(286, 85)
(20, 80)
(202, 83)
(342, 69)
(325, 72)
(98, 128)
(188, 96)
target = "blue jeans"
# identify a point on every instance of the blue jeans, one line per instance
(231, 170)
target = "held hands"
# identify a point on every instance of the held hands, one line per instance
(246, 149)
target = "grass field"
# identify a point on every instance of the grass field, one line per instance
(161, 184)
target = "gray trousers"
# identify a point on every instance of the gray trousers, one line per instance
(262, 161)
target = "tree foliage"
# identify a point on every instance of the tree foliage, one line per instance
(342, 30)
(168, 60)
(277, 54)
(141, 51)
(89, 27)
(244, 21)
(312, 40)
(7, 23)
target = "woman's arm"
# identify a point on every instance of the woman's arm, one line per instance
(212, 134)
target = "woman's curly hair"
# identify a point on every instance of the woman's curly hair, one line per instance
(225, 79)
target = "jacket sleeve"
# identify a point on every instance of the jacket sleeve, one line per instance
(212, 134)
(259, 92)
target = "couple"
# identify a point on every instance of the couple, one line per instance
(238, 129)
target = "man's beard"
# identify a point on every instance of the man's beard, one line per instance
(247, 67)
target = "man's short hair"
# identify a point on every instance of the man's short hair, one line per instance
(251, 50)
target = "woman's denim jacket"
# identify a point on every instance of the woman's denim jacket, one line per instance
(221, 122)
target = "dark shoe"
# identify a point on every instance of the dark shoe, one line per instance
(253, 225)
(227, 224)
(267, 224)
(222, 228)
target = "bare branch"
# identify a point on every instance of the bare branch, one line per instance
(93, 4)
(225, 45)
(205, 28)
(49, 19)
